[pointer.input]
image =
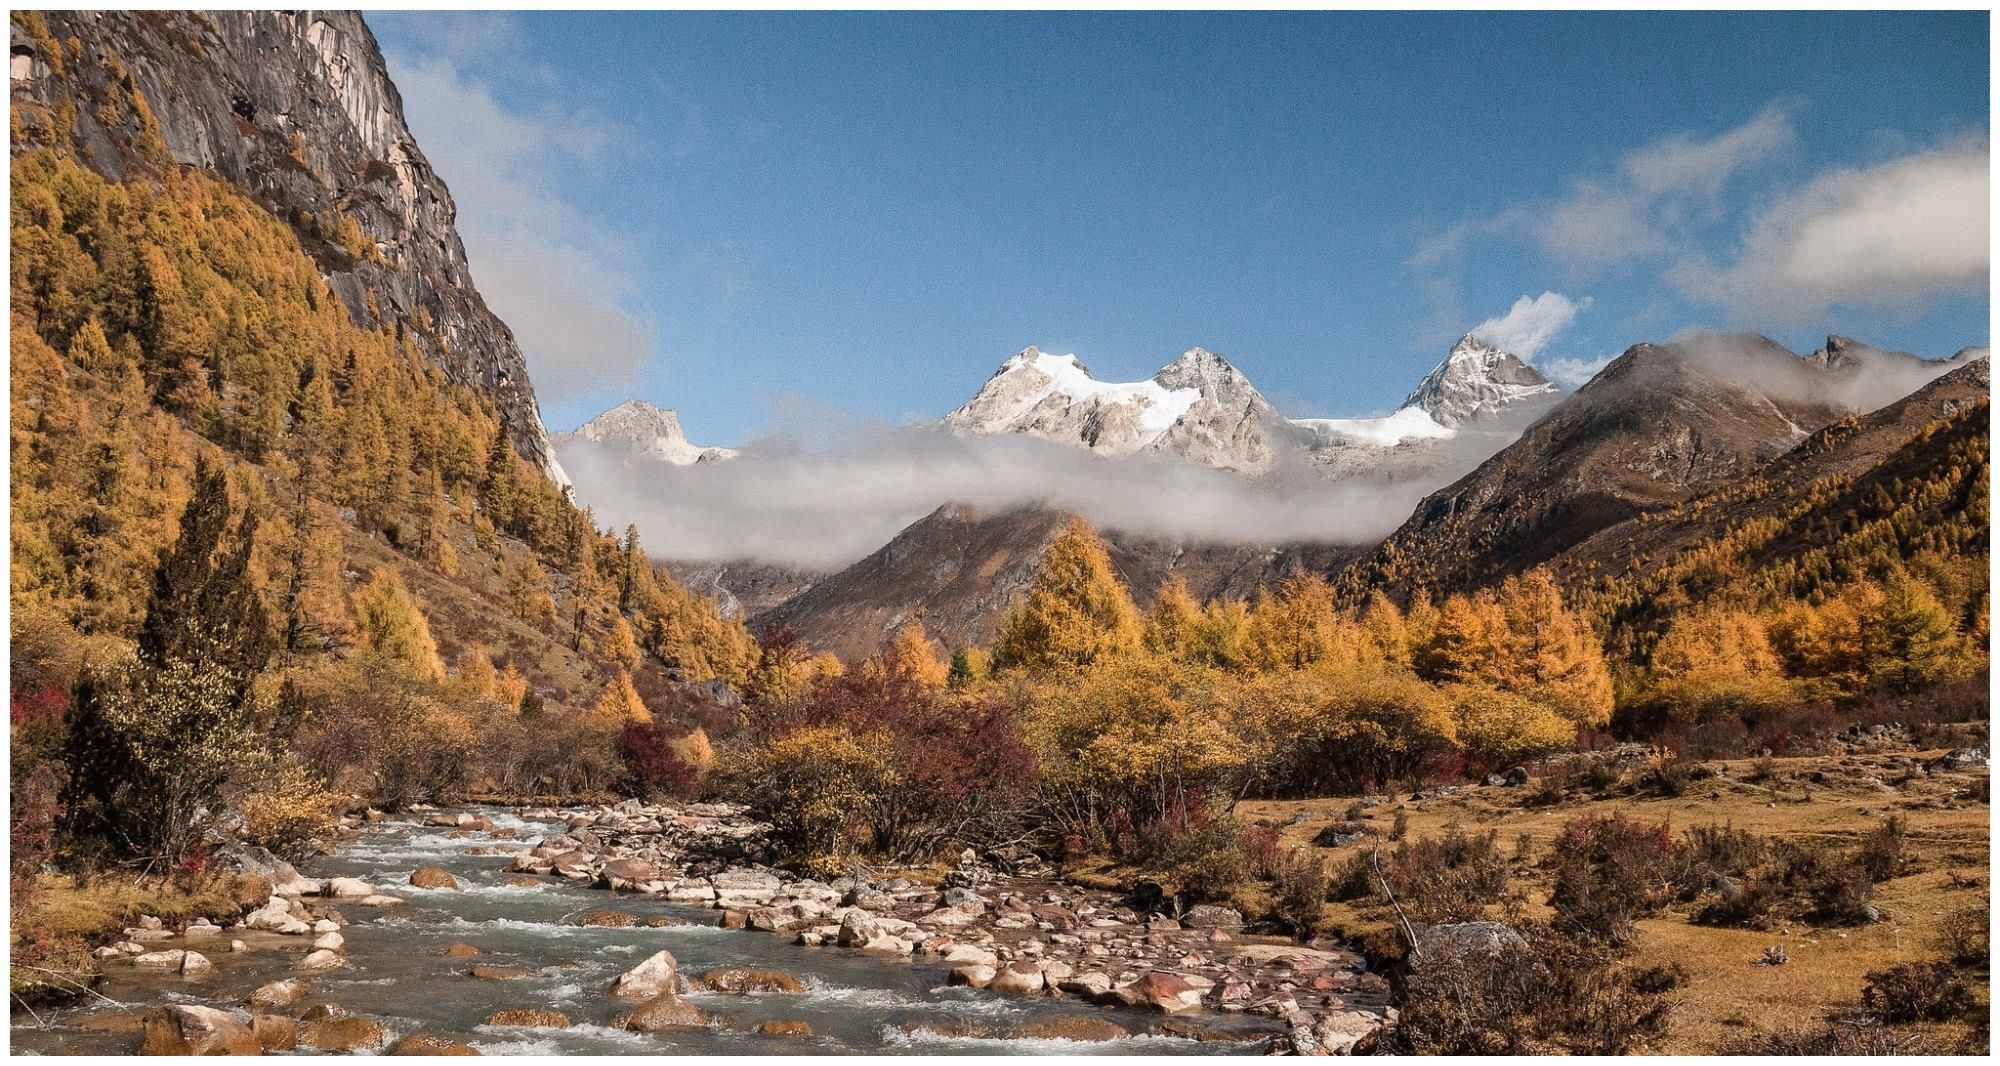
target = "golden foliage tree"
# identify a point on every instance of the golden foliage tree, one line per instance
(1077, 612)
(393, 626)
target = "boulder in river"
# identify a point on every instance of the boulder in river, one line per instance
(1209, 916)
(274, 1032)
(186, 1029)
(501, 973)
(431, 1044)
(348, 888)
(195, 964)
(432, 878)
(461, 951)
(664, 1013)
(973, 975)
(1159, 990)
(788, 1029)
(1069, 1027)
(658, 975)
(742, 981)
(279, 994)
(321, 961)
(333, 942)
(350, 1033)
(160, 960)
(530, 1018)
(1023, 978)
(609, 919)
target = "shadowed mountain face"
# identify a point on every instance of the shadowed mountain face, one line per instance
(958, 571)
(1661, 424)
(297, 108)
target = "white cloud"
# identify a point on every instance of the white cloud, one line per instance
(557, 278)
(1639, 210)
(1531, 323)
(1572, 373)
(1895, 233)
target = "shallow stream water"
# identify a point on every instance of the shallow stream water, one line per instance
(400, 976)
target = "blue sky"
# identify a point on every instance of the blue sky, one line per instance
(772, 220)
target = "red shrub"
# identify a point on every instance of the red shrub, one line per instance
(652, 767)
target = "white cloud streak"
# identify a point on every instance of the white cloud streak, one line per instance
(1900, 232)
(1531, 323)
(559, 280)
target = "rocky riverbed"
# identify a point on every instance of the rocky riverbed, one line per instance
(637, 929)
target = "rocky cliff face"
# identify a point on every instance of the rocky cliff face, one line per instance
(297, 108)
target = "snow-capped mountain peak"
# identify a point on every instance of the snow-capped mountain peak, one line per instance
(1056, 397)
(643, 430)
(1475, 379)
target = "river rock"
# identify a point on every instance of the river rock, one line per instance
(664, 1013)
(195, 964)
(320, 961)
(1093, 986)
(626, 873)
(185, 1029)
(658, 975)
(531, 1018)
(431, 1044)
(608, 919)
(348, 888)
(279, 994)
(1072, 1027)
(975, 975)
(276, 916)
(432, 878)
(330, 942)
(1162, 991)
(754, 886)
(1020, 978)
(382, 901)
(969, 955)
(1338, 1032)
(1209, 916)
(461, 951)
(161, 960)
(351, 1033)
(786, 1029)
(274, 1032)
(750, 982)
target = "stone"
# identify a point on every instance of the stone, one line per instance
(1460, 938)
(431, 1044)
(749, 982)
(326, 925)
(857, 929)
(348, 888)
(501, 973)
(1069, 1027)
(274, 1032)
(625, 873)
(462, 951)
(973, 976)
(350, 1033)
(1094, 986)
(430, 877)
(1209, 916)
(382, 901)
(786, 1029)
(238, 945)
(1020, 978)
(969, 955)
(195, 964)
(656, 976)
(664, 1013)
(330, 942)
(279, 994)
(530, 1018)
(160, 960)
(608, 919)
(276, 916)
(321, 961)
(1162, 991)
(185, 1029)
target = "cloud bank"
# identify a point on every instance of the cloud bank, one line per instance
(1531, 323)
(827, 507)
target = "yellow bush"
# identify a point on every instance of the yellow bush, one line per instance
(292, 816)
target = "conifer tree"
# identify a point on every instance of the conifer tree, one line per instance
(1908, 636)
(1552, 657)
(620, 703)
(910, 658)
(1172, 623)
(1076, 613)
(393, 626)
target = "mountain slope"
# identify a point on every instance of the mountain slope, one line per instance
(1476, 379)
(297, 109)
(958, 570)
(1658, 425)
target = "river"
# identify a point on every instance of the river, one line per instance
(400, 976)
